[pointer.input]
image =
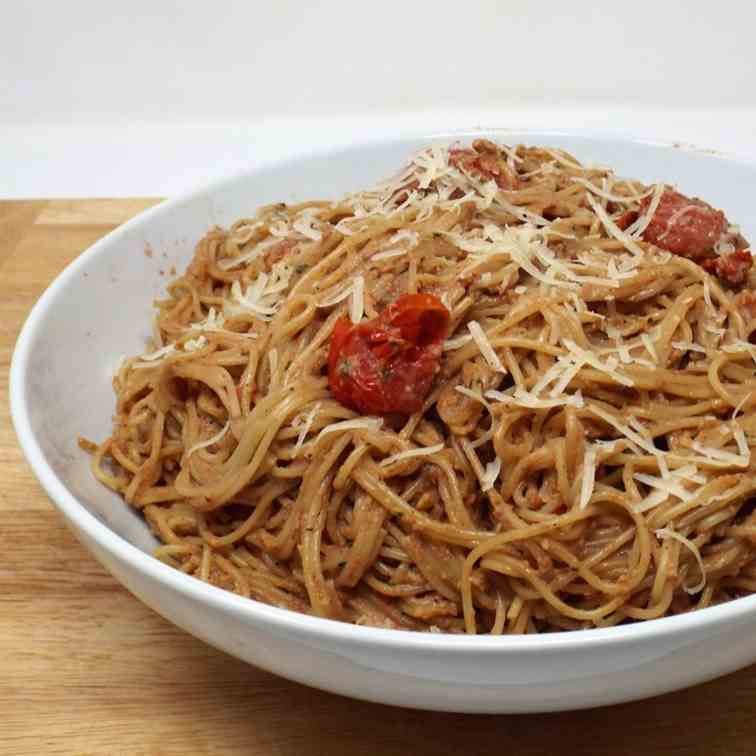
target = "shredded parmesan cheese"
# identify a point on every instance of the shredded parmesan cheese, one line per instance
(690, 472)
(273, 361)
(490, 475)
(740, 346)
(421, 451)
(670, 486)
(609, 367)
(613, 229)
(707, 294)
(158, 354)
(713, 454)
(640, 225)
(740, 440)
(305, 428)
(626, 199)
(550, 375)
(669, 533)
(741, 404)
(528, 399)
(263, 297)
(210, 441)
(388, 254)
(564, 161)
(649, 345)
(567, 375)
(304, 223)
(339, 296)
(622, 349)
(457, 342)
(213, 322)
(653, 500)
(688, 346)
(635, 438)
(398, 244)
(476, 395)
(359, 423)
(192, 345)
(252, 254)
(589, 476)
(357, 305)
(480, 338)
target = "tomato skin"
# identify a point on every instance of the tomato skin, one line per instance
(387, 364)
(421, 318)
(626, 219)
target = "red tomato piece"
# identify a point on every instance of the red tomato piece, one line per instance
(485, 160)
(731, 267)
(626, 219)
(746, 303)
(388, 364)
(687, 227)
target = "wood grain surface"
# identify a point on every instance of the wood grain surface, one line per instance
(87, 669)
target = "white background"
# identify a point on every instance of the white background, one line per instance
(153, 98)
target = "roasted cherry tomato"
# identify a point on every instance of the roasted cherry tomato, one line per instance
(691, 228)
(731, 267)
(687, 227)
(388, 364)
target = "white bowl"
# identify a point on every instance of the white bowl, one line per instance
(98, 310)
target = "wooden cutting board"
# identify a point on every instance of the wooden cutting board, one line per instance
(87, 669)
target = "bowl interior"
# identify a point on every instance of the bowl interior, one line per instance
(99, 309)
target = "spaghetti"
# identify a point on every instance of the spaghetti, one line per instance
(564, 442)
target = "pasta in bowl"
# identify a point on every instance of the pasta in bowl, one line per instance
(501, 392)
(97, 310)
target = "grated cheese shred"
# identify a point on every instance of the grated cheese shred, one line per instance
(640, 225)
(305, 427)
(484, 345)
(673, 534)
(357, 305)
(359, 423)
(490, 474)
(209, 441)
(457, 342)
(589, 476)
(613, 229)
(421, 451)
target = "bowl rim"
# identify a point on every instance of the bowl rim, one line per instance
(255, 611)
